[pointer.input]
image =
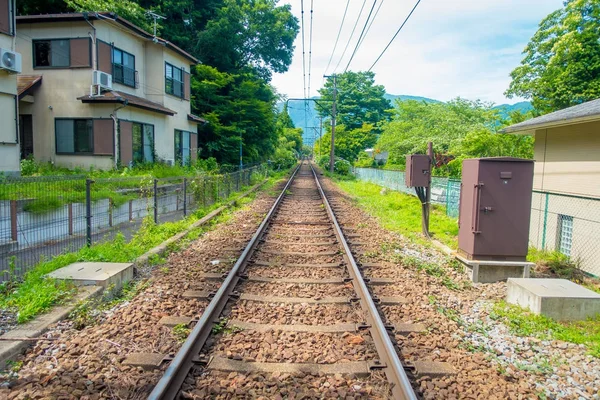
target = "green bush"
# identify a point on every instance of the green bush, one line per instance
(340, 166)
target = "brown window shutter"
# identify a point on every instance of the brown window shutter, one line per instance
(80, 52)
(4, 17)
(186, 85)
(104, 57)
(194, 145)
(103, 137)
(125, 142)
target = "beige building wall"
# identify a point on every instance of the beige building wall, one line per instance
(567, 169)
(9, 146)
(568, 159)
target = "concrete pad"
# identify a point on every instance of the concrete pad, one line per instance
(484, 271)
(107, 275)
(559, 299)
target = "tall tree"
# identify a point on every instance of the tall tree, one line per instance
(561, 67)
(255, 34)
(359, 100)
(348, 143)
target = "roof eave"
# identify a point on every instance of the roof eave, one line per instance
(530, 129)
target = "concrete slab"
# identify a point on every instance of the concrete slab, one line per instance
(483, 271)
(108, 275)
(559, 299)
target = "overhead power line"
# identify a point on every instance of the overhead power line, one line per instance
(361, 35)
(351, 35)
(372, 20)
(396, 34)
(310, 46)
(338, 37)
(303, 52)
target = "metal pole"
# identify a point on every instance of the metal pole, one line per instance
(88, 212)
(428, 191)
(332, 151)
(545, 222)
(184, 197)
(156, 201)
(241, 161)
(320, 134)
(13, 221)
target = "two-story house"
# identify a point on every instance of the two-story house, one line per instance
(9, 66)
(97, 90)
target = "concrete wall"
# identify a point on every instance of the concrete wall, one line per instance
(9, 147)
(60, 88)
(568, 159)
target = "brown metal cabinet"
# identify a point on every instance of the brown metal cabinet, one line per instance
(495, 208)
(418, 169)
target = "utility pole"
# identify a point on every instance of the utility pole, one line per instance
(241, 161)
(320, 133)
(333, 112)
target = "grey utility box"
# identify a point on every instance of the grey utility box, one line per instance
(418, 170)
(495, 208)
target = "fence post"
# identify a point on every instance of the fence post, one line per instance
(203, 192)
(110, 212)
(130, 210)
(184, 197)
(545, 222)
(13, 220)
(88, 212)
(70, 209)
(156, 201)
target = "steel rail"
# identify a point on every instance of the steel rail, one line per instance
(394, 370)
(170, 383)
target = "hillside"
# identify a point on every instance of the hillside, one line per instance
(309, 120)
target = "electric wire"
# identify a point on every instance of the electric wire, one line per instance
(303, 48)
(310, 46)
(372, 20)
(361, 35)
(351, 35)
(396, 34)
(338, 38)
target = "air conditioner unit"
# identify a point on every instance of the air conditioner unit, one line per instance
(10, 61)
(102, 79)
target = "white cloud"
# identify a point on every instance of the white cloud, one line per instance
(448, 48)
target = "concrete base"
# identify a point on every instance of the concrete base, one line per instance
(108, 275)
(559, 299)
(483, 271)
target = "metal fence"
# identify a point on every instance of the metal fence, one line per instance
(41, 217)
(564, 223)
(444, 191)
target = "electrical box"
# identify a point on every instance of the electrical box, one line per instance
(495, 208)
(418, 170)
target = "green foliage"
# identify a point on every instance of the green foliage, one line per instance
(359, 100)
(236, 106)
(401, 212)
(461, 128)
(348, 143)
(340, 166)
(256, 35)
(561, 66)
(522, 322)
(181, 332)
(128, 9)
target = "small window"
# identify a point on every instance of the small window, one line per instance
(183, 149)
(74, 136)
(174, 80)
(565, 234)
(143, 143)
(51, 53)
(123, 68)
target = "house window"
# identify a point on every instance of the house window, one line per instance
(183, 149)
(74, 136)
(174, 80)
(51, 53)
(565, 234)
(123, 67)
(143, 143)
(7, 14)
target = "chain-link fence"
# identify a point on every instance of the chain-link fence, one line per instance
(559, 222)
(41, 217)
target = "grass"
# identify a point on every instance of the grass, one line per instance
(400, 212)
(36, 293)
(523, 322)
(556, 264)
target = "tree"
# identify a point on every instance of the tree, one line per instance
(348, 143)
(238, 107)
(561, 67)
(128, 9)
(255, 34)
(359, 100)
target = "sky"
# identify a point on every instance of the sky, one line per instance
(448, 48)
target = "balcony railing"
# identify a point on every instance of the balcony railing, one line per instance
(125, 75)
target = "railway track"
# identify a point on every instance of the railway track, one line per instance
(294, 304)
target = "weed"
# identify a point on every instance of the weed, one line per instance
(164, 270)
(222, 327)
(181, 332)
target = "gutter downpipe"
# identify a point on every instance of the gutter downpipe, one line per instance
(116, 130)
